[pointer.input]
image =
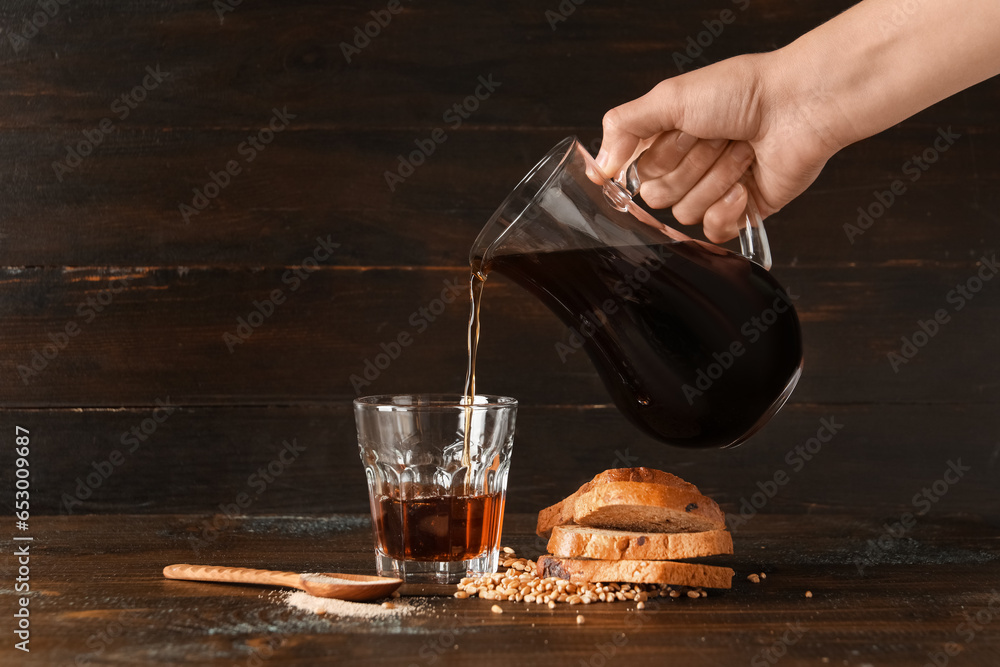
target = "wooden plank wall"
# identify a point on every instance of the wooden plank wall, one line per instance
(101, 271)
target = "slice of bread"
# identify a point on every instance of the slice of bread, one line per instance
(559, 514)
(645, 507)
(581, 571)
(563, 512)
(585, 542)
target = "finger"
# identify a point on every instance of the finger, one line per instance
(665, 154)
(670, 188)
(723, 218)
(625, 125)
(714, 183)
(597, 175)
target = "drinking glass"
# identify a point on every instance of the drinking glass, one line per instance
(437, 480)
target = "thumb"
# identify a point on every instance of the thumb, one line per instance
(626, 125)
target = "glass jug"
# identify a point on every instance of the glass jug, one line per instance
(698, 346)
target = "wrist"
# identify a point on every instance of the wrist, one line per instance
(804, 108)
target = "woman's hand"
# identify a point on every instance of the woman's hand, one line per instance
(866, 69)
(708, 127)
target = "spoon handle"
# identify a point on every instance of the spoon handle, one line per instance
(236, 575)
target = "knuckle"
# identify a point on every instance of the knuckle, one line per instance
(721, 222)
(686, 215)
(654, 201)
(666, 89)
(718, 182)
(657, 194)
(713, 218)
(701, 161)
(612, 120)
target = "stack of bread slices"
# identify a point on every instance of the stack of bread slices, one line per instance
(631, 525)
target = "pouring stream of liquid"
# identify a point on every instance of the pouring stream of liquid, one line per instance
(477, 281)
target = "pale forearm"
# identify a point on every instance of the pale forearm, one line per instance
(884, 60)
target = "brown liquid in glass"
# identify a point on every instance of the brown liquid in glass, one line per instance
(440, 529)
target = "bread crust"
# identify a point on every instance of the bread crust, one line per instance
(563, 512)
(602, 544)
(641, 506)
(580, 571)
(640, 474)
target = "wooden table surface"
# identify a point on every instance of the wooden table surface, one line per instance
(102, 600)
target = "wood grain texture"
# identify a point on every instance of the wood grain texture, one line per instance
(423, 61)
(165, 335)
(108, 602)
(201, 459)
(121, 206)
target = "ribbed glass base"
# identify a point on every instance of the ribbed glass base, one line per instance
(434, 572)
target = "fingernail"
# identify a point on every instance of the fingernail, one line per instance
(734, 194)
(718, 143)
(602, 160)
(685, 141)
(742, 151)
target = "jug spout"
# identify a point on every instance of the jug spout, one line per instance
(523, 205)
(561, 205)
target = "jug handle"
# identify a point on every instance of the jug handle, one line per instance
(753, 238)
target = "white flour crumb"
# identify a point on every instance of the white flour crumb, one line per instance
(332, 607)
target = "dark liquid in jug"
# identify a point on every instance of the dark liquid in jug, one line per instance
(694, 343)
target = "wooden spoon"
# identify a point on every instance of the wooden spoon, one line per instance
(358, 587)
